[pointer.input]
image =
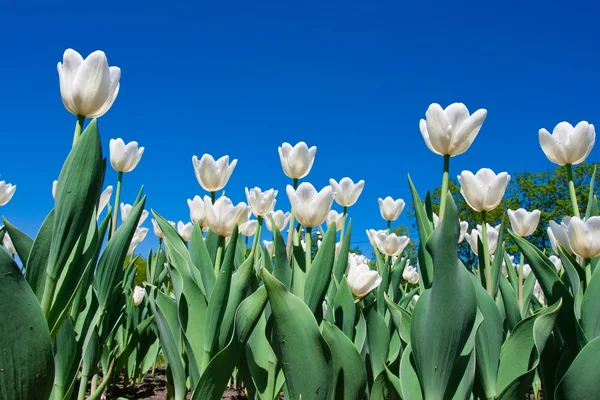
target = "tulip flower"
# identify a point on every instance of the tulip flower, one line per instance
(346, 192)
(484, 190)
(390, 245)
(104, 199)
(311, 207)
(197, 213)
(539, 293)
(157, 231)
(213, 175)
(298, 160)
(372, 234)
(584, 237)
(526, 270)
(126, 209)
(124, 157)
(557, 262)
(523, 222)
(88, 87)
(261, 203)
(450, 131)
(138, 237)
(334, 216)
(248, 228)
(390, 209)
(222, 216)
(281, 220)
(558, 234)
(269, 246)
(464, 226)
(568, 145)
(6, 192)
(360, 278)
(410, 274)
(477, 234)
(8, 244)
(185, 230)
(138, 295)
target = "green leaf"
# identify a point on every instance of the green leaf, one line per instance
(319, 276)
(590, 307)
(592, 205)
(21, 241)
(401, 318)
(282, 270)
(582, 380)
(26, 358)
(35, 273)
(200, 258)
(496, 264)
(409, 380)
(341, 263)
(309, 376)
(65, 350)
(378, 338)
(345, 309)
(511, 304)
(425, 228)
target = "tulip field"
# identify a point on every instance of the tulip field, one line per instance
(274, 302)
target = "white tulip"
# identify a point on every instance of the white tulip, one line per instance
(269, 246)
(281, 220)
(373, 235)
(126, 209)
(477, 234)
(197, 213)
(213, 175)
(359, 258)
(6, 192)
(410, 274)
(558, 234)
(568, 144)
(389, 244)
(261, 203)
(464, 225)
(360, 278)
(8, 244)
(539, 293)
(54, 189)
(185, 230)
(523, 222)
(346, 192)
(450, 131)
(310, 207)
(557, 262)
(526, 270)
(584, 237)
(223, 215)
(88, 87)
(104, 199)
(484, 190)
(157, 231)
(124, 157)
(140, 234)
(138, 295)
(390, 209)
(338, 218)
(248, 228)
(298, 160)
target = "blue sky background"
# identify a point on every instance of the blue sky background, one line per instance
(240, 78)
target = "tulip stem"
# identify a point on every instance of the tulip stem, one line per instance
(290, 238)
(389, 224)
(343, 225)
(257, 234)
(485, 255)
(572, 191)
(444, 185)
(78, 128)
(520, 283)
(588, 271)
(49, 288)
(308, 240)
(117, 200)
(220, 246)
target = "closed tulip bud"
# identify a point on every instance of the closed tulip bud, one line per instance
(213, 175)
(568, 144)
(484, 190)
(523, 222)
(346, 192)
(492, 238)
(298, 160)
(311, 207)
(334, 216)
(281, 220)
(54, 189)
(197, 213)
(248, 228)
(88, 87)
(361, 279)
(410, 274)
(557, 262)
(185, 230)
(124, 157)
(138, 237)
(223, 215)
(584, 237)
(6, 192)
(390, 209)
(8, 244)
(104, 199)
(126, 209)
(261, 203)
(450, 131)
(558, 234)
(138, 295)
(157, 231)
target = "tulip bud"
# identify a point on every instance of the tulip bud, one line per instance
(88, 87)
(213, 175)
(54, 189)
(126, 209)
(568, 144)
(138, 295)
(558, 234)
(477, 235)
(410, 274)
(197, 213)
(6, 192)
(157, 231)
(360, 278)
(261, 203)
(223, 215)
(557, 262)
(311, 207)
(281, 220)
(523, 222)
(185, 230)
(390, 209)
(124, 157)
(450, 131)
(346, 192)
(334, 216)
(484, 190)
(8, 244)
(298, 160)
(584, 237)
(105, 198)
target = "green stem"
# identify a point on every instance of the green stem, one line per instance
(588, 271)
(220, 247)
(572, 193)
(485, 255)
(49, 288)
(117, 200)
(213, 197)
(308, 239)
(520, 284)
(290, 238)
(98, 392)
(78, 128)
(389, 224)
(343, 224)
(83, 383)
(257, 234)
(444, 185)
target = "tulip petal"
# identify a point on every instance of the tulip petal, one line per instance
(91, 84)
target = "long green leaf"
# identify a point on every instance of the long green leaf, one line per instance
(319, 276)
(35, 274)
(582, 380)
(21, 242)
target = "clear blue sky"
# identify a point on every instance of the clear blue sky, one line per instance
(240, 78)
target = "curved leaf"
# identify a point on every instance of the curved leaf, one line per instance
(21, 242)
(582, 380)
(319, 276)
